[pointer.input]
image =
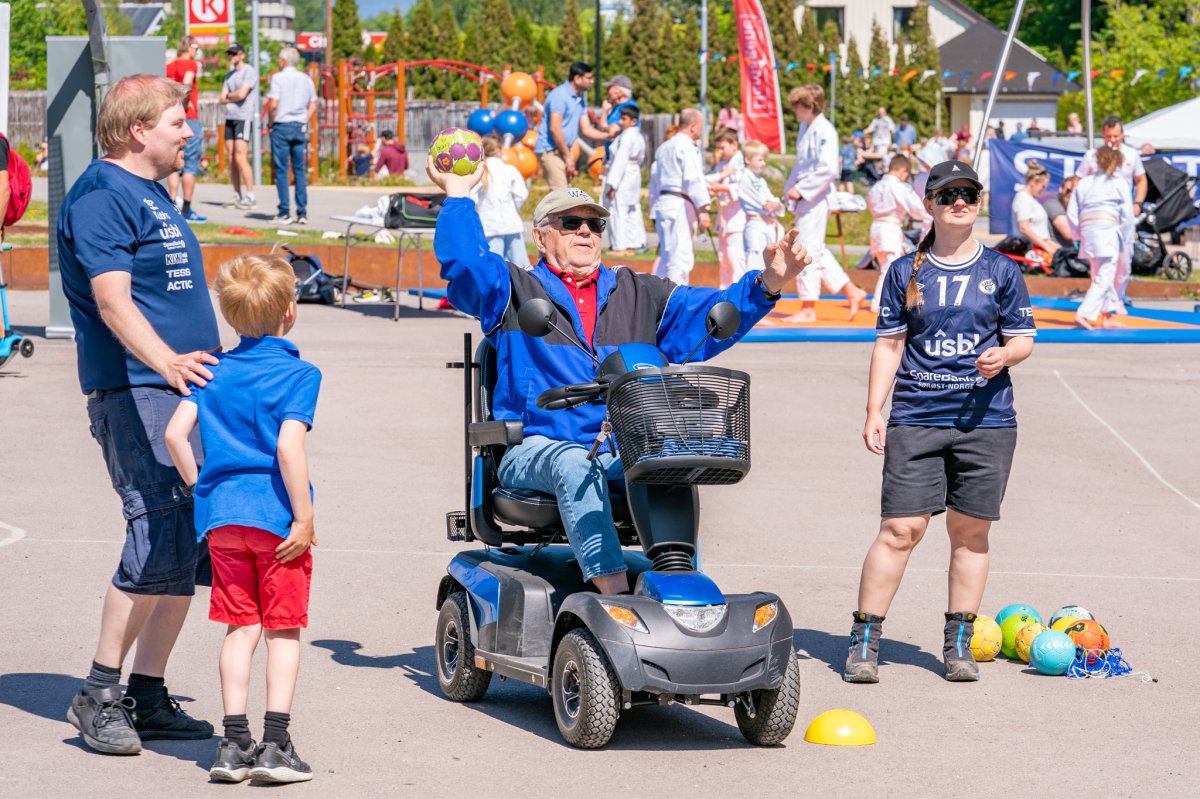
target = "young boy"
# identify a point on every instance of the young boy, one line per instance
(758, 203)
(722, 184)
(892, 202)
(623, 185)
(254, 502)
(848, 160)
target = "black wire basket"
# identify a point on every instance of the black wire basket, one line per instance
(682, 425)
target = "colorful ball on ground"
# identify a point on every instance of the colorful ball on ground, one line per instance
(1008, 633)
(1074, 611)
(518, 86)
(1062, 623)
(1052, 653)
(482, 121)
(985, 643)
(1025, 638)
(1089, 634)
(457, 150)
(1015, 610)
(511, 123)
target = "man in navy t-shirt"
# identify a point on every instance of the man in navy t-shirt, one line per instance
(132, 273)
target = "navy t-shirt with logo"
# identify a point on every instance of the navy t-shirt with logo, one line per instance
(968, 307)
(113, 220)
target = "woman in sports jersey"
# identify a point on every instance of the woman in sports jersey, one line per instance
(954, 318)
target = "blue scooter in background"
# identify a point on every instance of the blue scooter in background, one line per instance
(12, 342)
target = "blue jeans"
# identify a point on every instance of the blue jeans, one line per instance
(193, 148)
(510, 247)
(287, 142)
(561, 468)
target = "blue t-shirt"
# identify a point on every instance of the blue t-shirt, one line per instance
(562, 100)
(906, 134)
(256, 387)
(614, 116)
(849, 156)
(113, 220)
(967, 308)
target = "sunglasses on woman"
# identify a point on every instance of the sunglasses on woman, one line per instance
(969, 194)
(572, 223)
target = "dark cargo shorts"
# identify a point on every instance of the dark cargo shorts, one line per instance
(161, 555)
(929, 469)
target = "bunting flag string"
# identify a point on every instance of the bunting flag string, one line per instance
(1031, 78)
(927, 74)
(1138, 76)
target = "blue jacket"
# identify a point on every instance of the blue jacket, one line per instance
(632, 307)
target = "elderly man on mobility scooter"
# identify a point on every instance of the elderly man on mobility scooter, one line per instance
(525, 612)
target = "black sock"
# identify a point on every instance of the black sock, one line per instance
(148, 692)
(187, 206)
(102, 676)
(275, 728)
(237, 729)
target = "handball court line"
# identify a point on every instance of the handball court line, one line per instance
(12, 536)
(1149, 467)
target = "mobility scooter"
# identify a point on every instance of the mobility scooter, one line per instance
(519, 607)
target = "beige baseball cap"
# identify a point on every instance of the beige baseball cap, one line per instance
(560, 200)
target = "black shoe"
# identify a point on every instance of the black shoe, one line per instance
(102, 717)
(862, 659)
(169, 722)
(282, 219)
(273, 763)
(302, 219)
(956, 650)
(233, 763)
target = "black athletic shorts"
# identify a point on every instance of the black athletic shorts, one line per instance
(237, 130)
(929, 469)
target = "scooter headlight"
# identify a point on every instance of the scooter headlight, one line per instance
(625, 616)
(697, 618)
(764, 614)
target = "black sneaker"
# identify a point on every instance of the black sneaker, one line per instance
(282, 219)
(956, 649)
(273, 763)
(862, 659)
(169, 722)
(102, 717)
(302, 219)
(233, 763)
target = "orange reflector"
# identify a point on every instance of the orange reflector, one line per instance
(764, 615)
(624, 616)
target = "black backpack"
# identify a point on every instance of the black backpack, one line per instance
(313, 284)
(413, 210)
(1067, 263)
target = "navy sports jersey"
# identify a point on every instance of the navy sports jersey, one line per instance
(967, 308)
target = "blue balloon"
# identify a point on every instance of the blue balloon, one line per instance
(1016, 610)
(1052, 652)
(511, 122)
(481, 121)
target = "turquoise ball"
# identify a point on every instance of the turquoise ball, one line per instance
(1052, 653)
(1020, 608)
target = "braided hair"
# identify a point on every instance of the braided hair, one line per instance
(912, 295)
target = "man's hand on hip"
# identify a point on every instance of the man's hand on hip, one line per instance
(784, 260)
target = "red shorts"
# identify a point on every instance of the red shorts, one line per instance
(250, 586)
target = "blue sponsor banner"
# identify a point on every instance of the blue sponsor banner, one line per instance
(1009, 160)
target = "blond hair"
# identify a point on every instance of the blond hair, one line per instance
(1109, 159)
(255, 291)
(754, 148)
(137, 99)
(810, 95)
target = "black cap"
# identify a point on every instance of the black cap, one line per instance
(949, 171)
(234, 48)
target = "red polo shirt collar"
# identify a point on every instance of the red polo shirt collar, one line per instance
(583, 294)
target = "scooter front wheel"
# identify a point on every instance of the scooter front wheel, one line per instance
(26, 348)
(585, 691)
(457, 675)
(766, 717)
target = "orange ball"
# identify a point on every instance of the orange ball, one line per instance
(518, 86)
(530, 138)
(595, 165)
(509, 156)
(527, 162)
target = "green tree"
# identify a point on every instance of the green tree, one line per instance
(347, 30)
(808, 44)
(570, 43)
(643, 63)
(882, 87)
(497, 48)
(395, 46)
(924, 94)
(421, 17)
(687, 63)
(310, 15)
(448, 85)
(852, 98)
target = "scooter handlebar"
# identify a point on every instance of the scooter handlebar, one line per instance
(571, 396)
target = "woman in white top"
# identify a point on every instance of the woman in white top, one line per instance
(498, 199)
(891, 201)
(1101, 215)
(1029, 218)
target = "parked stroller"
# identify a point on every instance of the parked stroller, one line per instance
(1168, 204)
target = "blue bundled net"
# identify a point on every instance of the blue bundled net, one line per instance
(1098, 663)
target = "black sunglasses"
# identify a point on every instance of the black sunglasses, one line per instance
(969, 194)
(572, 223)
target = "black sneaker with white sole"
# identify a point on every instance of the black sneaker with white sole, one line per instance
(102, 717)
(302, 219)
(167, 721)
(282, 219)
(233, 763)
(273, 763)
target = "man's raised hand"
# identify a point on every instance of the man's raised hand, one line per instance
(454, 185)
(784, 260)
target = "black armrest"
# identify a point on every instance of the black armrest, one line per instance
(502, 432)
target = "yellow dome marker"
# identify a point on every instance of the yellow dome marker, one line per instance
(840, 728)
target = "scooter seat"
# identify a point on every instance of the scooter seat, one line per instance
(523, 507)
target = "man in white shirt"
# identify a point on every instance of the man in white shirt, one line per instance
(623, 186)
(882, 128)
(683, 197)
(808, 188)
(291, 103)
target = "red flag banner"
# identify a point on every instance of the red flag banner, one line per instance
(762, 113)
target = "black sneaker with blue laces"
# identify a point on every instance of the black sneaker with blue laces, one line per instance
(102, 717)
(275, 763)
(232, 763)
(167, 721)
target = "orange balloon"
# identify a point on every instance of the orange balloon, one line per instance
(596, 163)
(519, 86)
(575, 153)
(527, 162)
(530, 138)
(509, 156)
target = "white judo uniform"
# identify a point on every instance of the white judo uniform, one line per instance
(731, 223)
(761, 228)
(626, 228)
(891, 201)
(814, 175)
(1101, 218)
(681, 192)
(1131, 168)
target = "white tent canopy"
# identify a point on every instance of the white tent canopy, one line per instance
(1175, 127)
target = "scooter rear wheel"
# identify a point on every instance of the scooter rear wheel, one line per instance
(26, 348)
(585, 691)
(775, 710)
(457, 675)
